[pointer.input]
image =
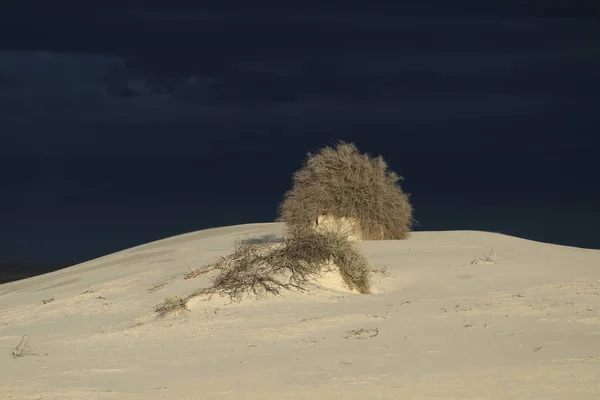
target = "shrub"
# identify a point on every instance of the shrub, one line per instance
(259, 268)
(344, 184)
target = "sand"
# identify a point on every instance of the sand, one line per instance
(438, 326)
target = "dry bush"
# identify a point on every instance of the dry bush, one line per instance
(260, 268)
(264, 239)
(343, 183)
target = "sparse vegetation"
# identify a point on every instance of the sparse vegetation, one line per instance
(259, 268)
(342, 183)
(339, 188)
(362, 333)
(382, 271)
(171, 305)
(157, 287)
(487, 258)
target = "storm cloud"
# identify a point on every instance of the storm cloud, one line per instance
(221, 73)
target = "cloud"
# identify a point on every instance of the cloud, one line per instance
(70, 88)
(274, 57)
(57, 87)
(214, 76)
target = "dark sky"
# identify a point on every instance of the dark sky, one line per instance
(120, 125)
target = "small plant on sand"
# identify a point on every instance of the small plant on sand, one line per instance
(342, 183)
(171, 305)
(487, 258)
(260, 268)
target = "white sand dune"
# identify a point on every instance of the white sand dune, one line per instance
(437, 326)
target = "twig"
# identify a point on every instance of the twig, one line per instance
(22, 349)
(488, 258)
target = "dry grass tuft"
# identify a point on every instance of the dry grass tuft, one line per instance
(171, 305)
(342, 183)
(258, 268)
